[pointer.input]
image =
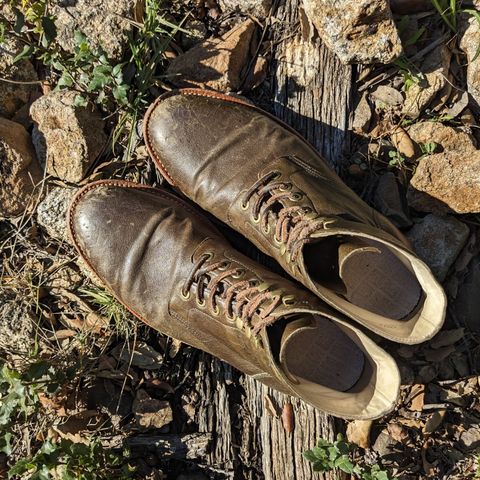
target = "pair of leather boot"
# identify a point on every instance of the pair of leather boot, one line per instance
(164, 260)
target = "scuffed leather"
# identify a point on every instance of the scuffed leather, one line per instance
(142, 243)
(214, 148)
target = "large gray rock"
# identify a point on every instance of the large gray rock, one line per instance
(104, 22)
(446, 182)
(19, 169)
(216, 64)
(73, 136)
(14, 95)
(438, 241)
(258, 8)
(358, 31)
(52, 212)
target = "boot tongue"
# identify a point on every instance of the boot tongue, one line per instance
(313, 349)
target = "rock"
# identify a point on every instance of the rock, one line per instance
(387, 96)
(435, 68)
(438, 241)
(65, 277)
(150, 412)
(384, 444)
(257, 8)
(446, 138)
(18, 328)
(362, 116)
(390, 201)
(14, 95)
(19, 169)
(73, 135)
(217, 64)
(471, 438)
(358, 432)
(105, 23)
(469, 41)
(403, 143)
(358, 31)
(52, 212)
(445, 182)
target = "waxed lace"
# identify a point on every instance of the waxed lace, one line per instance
(242, 299)
(293, 224)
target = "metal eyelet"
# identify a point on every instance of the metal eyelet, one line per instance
(223, 267)
(266, 231)
(244, 205)
(201, 303)
(277, 241)
(256, 219)
(216, 311)
(230, 318)
(239, 273)
(286, 187)
(288, 300)
(185, 296)
(296, 196)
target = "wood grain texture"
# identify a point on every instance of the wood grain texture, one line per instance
(311, 88)
(311, 92)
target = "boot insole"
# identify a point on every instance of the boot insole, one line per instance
(316, 350)
(376, 280)
(365, 273)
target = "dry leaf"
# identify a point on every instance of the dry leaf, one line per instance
(358, 432)
(62, 334)
(415, 423)
(417, 395)
(434, 421)
(174, 348)
(287, 417)
(271, 406)
(142, 356)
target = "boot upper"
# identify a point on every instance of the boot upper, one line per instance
(260, 177)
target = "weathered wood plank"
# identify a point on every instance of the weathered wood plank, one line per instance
(311, 91)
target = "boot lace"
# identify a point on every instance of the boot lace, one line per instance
(293, 224)
(241, 300)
